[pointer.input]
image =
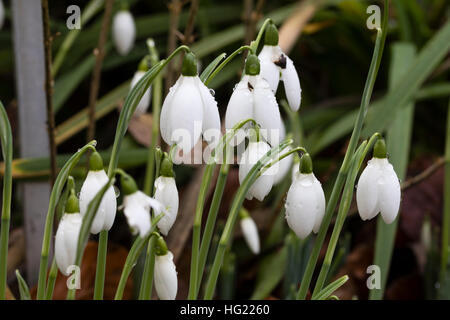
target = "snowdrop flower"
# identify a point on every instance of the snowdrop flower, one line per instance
(145, 100)
(276, 66)
(66, 239)
(305, 202)
(136, 206)
(262, 186)
(165, 275)
(189, 109)
(250, 231)
(123, 31)
(282, 167)
(2, 14)
(252, 98)
(166, 193)
(95, 180)
(378, 187)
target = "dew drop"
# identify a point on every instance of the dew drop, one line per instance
(116, 191)
(78, 195)
(212, 92)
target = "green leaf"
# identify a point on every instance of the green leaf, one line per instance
(328, 291)
(418, 71)
(398, 141)
(23, 287)
(210, 68)
(267, 279)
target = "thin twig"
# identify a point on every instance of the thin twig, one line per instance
(49, 89)
(424, 174)
(188, 37)
(175, 10)
(99, 53)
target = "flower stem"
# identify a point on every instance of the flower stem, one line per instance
(54, 197)
(101, 265)
(211, 221)
(370, 81)
(149, 267)
(446, 214)
(262, 165)
(347, 197)
(156, 104)
(206, 180)
(51, 280)
(254, 44)
(224, 63)
(132, 257)
(7, 153)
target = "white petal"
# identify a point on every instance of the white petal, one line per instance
(186, 115)
(106, 213)
(138, 218)
(266, 112)
(291, 85)
(262, 186)
(389, 193)
(166, 282)
(66, 241)
(269, 70)
(166, 192)
(124, 31)
(211, 118)
(145, 100)
(320, 201)
(250, 232)
(367, 191)
(240, 107)
(164, 123)
(302, 205)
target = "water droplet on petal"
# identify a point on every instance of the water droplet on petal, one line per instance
(212, 92)
(116, 191)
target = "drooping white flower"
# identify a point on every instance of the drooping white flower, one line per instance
(189, 110)
(276, 66)
(378, 188)
(282, 167)
(66, 239)
(145, 100)
(252, 98)
(305, 202)
(165, 275)
(166, 192)
(123, 31)
(262, 186)
(95, 180)
(2, 14)
(250, 231)
(137, 205)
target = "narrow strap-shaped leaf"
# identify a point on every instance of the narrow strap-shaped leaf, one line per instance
(23, 287)
(7, 152)
(210, 68)
(326, 292)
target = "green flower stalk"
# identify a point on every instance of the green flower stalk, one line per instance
(7, 153)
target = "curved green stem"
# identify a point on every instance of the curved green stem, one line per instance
(54, 197)
(251, 177)
(51, 280)
(254, 44)
(101, 265)
(7, 153)
(206, 180)
(132, 257)
(337, 188)
(224, 63)
(347, 197)
(211, 221)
